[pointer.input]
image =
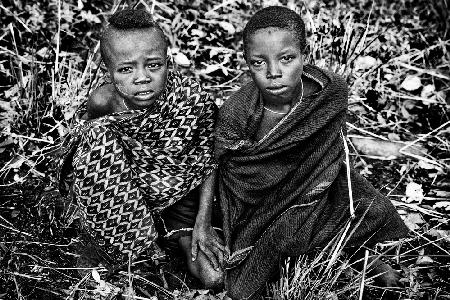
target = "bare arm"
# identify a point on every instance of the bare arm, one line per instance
(206, 199)
(204, 236)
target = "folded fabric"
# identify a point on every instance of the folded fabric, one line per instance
(286, 193)
(125, 167)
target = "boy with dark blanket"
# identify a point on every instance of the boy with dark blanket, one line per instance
(143, 156)
(282, 172)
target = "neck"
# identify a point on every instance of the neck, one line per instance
(278, 109)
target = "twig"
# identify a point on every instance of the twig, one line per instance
(15, 135)
(429, 72)
(223, 4)
(368, 132)
(167, 292)
(415, 98)
(418, 208)
(402, 150)
(25, 276)
(21, 82)
(424, 136)
(349, 180)
(77, 285)
(58, 35)
(338, 247)
(37, 243)
(19, 294)
(361, 287)
(15, 230)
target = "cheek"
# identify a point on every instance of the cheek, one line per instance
(123, 86)
(161, 79)
(123, 79)
(295, 74)
(258, 77)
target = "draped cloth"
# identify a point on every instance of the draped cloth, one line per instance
(286, 194)
(127, 167)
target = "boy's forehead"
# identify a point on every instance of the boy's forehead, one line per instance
(271, 30)
(270, 34)
(126, 44)
(126, 35)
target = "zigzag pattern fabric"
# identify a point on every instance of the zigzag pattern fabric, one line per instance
(126, 167)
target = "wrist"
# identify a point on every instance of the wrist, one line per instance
(202, 220)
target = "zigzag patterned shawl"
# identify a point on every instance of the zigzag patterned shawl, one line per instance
(286, 193)
(125, 167)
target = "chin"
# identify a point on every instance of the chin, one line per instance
(143, 104)
(281, 99)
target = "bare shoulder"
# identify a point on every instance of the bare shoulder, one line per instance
(101, 102)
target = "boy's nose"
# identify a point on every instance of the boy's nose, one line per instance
(273, 71)
(142, 76)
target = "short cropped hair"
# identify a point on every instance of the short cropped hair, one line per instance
(278, 17)
(125, 20)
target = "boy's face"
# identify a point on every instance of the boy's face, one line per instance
(275, 61)
(138, 65)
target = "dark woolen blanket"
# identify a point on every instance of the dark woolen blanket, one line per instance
(287, 193)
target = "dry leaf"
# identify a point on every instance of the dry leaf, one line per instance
(379, 148)
(383, 149)
(427, 91)
(414, 193)
(211, 68)
(182, 60)
(424, 260)
(430, 166)
(96, 276)
(412, 220)
(411, 83)
(228, 27)
(393, 136)
(365, 62)
(197, 32)
(440, 234)
(442, 204)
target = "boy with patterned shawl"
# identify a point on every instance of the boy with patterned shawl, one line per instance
(283, 182)
(143, 156)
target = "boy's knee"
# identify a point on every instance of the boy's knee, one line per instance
(212, 279)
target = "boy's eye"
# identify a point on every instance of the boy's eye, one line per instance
(287, 58)
(125, 70)
(257, 63)
(154, 66)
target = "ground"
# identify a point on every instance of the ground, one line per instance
(395, 57)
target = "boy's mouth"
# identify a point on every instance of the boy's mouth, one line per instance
(144, 93)
(276, 89)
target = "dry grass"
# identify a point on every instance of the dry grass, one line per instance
(49, 62)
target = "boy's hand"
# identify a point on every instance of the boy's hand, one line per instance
(205, 237)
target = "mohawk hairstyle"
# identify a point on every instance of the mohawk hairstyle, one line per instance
(279, 17)
(132, 19)
(128, 19)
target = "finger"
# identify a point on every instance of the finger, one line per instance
(219, 245)
(217, 250)
(194, 250)
(219, 240)
(211, 257)
(220, 256)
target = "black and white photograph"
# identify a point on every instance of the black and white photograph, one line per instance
(225, 150)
